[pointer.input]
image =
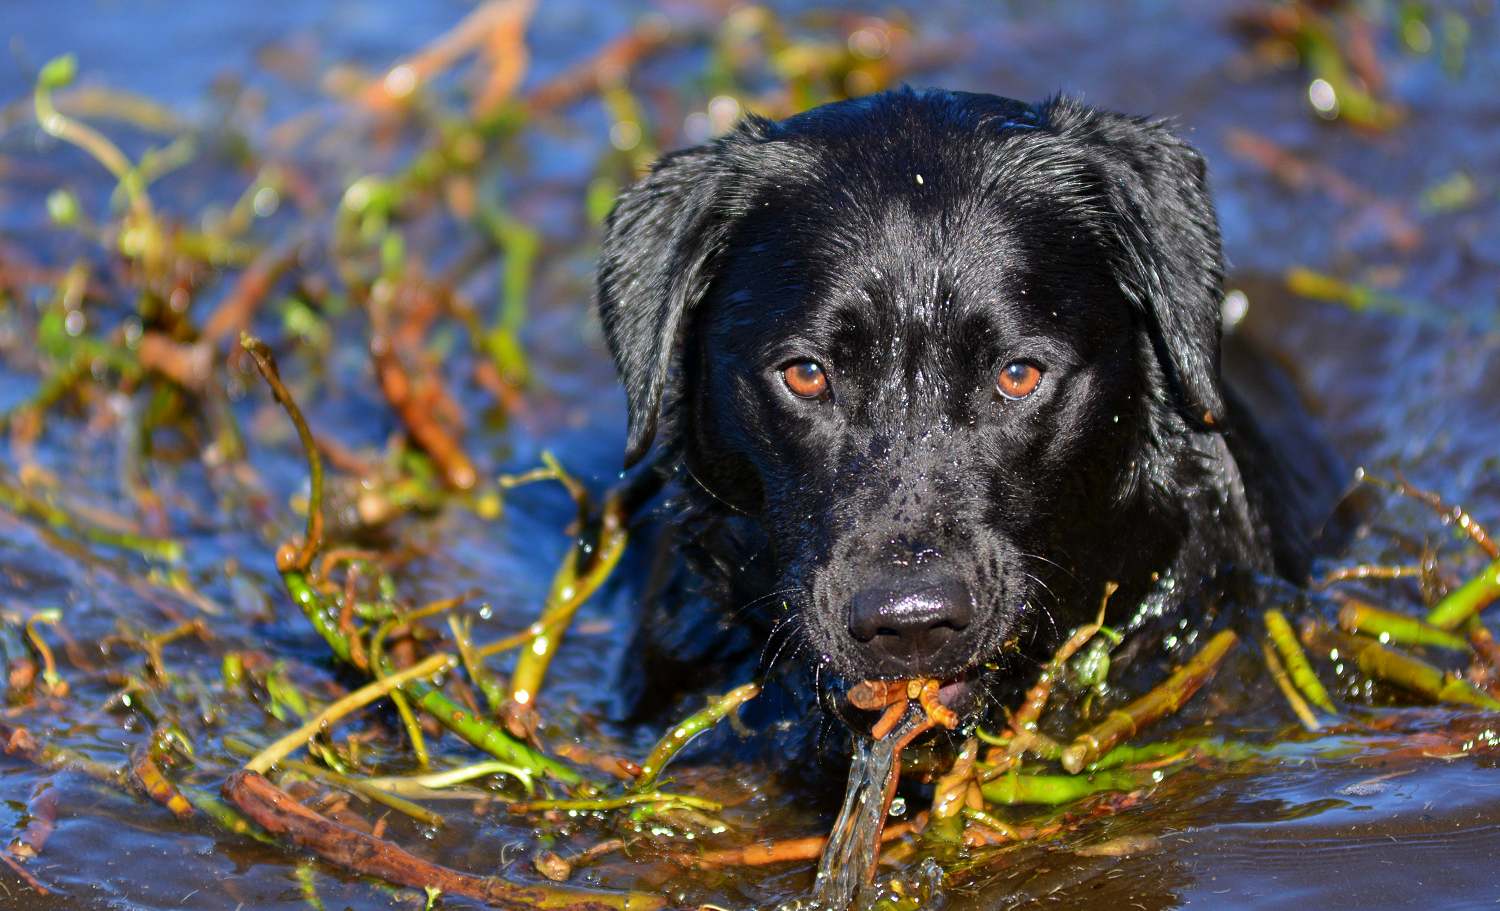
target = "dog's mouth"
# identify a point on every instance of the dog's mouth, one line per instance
(943, 703)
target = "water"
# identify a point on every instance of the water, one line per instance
(1412, 389)
(848, 861)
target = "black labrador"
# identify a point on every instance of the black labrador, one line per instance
(932, 368)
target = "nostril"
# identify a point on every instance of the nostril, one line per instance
(916, 615)
(959, 607)
(868, 612)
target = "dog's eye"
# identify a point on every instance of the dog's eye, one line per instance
(1018, 379)
(805, 379)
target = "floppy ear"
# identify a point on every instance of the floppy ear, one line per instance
(656, 264)
(1173, 264)
(657, 242)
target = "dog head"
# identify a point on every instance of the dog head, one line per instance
(938, 345)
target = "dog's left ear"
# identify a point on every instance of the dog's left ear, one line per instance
(1173, 264)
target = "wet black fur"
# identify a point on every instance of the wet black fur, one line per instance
(1079, 239)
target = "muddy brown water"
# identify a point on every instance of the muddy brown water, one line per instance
(1417, 389)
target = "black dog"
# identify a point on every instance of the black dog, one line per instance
(936, 367)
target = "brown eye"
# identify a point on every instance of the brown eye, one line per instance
(1018, 379)
(806, 379)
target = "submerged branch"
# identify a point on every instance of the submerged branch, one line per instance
(1123, 723)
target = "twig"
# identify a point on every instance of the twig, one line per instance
(949, 794)
(615, 803)
(356, 700)
(23, 504)
(1031, 708)
(1457, 515)
(1485, 646)
(148, 776)
(234, 313)
(763, 854)
(1368, 571)
(298, 559)
(472, 33)
(25, 874)
(413, 403)
(609, 65)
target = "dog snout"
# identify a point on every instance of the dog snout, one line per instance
(905, 627)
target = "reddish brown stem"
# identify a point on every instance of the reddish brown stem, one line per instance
(414, 404)
(275, 811)
(786, 850)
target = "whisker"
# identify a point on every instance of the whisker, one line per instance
(760, 601)
(1044, 610)
(704, 487)
(1041, 559)
(786, 630)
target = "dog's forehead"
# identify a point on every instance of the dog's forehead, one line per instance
(937, 258)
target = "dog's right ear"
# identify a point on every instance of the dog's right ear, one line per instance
(656, 265)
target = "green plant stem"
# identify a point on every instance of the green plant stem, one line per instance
(23, 504)
(1052, 790)
(615, 803)
(356, 700)
(458, 719)
(1467, 600)
(1288, 689)
(1388, 626)
(368, 788)
(1408, 672)
(684, 731)
(1187, 748)
(571, 587)
(323, 614)
(312, 541)
(451, 777)
(1295, 659)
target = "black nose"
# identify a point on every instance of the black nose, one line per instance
(911, 622)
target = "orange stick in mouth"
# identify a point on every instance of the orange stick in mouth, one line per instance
(894, 695)
(888, 721)
(872, 695)
(927, 697)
